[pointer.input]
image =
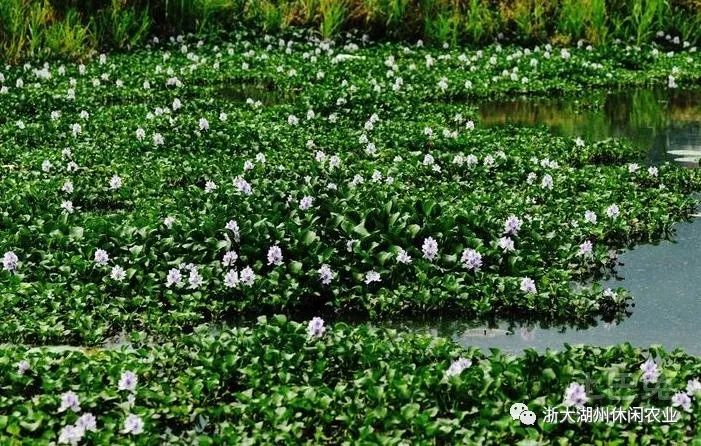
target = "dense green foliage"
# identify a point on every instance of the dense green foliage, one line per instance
(76, 27)
(273, 383)
(388, 163)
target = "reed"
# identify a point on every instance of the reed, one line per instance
(30, 28)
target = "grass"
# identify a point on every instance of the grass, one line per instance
(30, 28)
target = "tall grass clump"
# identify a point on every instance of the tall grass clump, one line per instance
(30, 28)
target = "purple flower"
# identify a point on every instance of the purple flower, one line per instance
(71, 435)
(585, 249)
(506, 244)
(512, 225)
(118, 273)
(430, 248)
(575, 395)
(316, 327)
(403, 256)
(372, 276)
(69, 400)
(231, 279)
(9, 261)
(87, 422)
(306, 203)
(275, 255)
(133, 425)
(650, 371)
(693, 386)
(128, 381)
(23, 367)
(195, 279)
(247, 276)
(471, 259)
(457, 367)
(325, 274)
(174, 277)
(101, 257)
(613, 211)
(681, 399)
(528, 285)
(230, 258)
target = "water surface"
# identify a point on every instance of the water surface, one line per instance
(665, 279)
(666, 123)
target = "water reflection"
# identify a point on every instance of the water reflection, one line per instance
(667, 123)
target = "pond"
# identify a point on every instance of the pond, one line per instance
(665, 278)
(667, 123)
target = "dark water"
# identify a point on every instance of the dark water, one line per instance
(667, 123)
(665, 279)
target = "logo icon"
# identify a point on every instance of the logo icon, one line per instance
(519, 411)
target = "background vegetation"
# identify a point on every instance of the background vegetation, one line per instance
(74, 28)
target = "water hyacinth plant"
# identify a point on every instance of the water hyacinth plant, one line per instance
(160, 204)
(371, 200)
(351, 384)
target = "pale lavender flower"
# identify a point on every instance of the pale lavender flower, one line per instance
(195, 279)
(67, 187)
(429, 248)
(693, 386)
(118, 273)
(275, 255)
(71, 435)
(231, 279)
(230, 258)
(325, 274)
(67, 206)
(613, 211)
(512, 225)
(403, 256)
(233, 226)
(101, 257)
(650, 371)
(457, 367)
(585, 249)
(210, 186)
(168, 222)
(306, 202)
(506, 244)
(590, 217)
(128, 381)
(316, 327)
(46, 166)
(204, 124)
(681, 399)
(69, 400)
(87, 422)
(10, 261)
(23, 367)
(133, 425)
(174, 277)
(471, 259)
(633, 167)
(528, 285)
(247, 276)
(575, 395)
(243, 186)
(115, 182)
(547, 182)
(372, 276)
(652, 171)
